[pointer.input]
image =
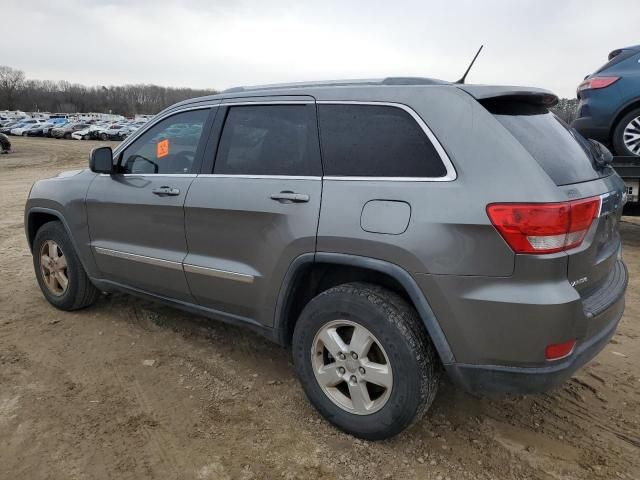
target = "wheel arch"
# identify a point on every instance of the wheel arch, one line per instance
(37, 217)
(310, 274)
(622, 111)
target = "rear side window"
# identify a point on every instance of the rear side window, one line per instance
(561, 151)
(375, 141)
(269, 140)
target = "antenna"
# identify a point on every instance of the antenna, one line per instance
(470, 65)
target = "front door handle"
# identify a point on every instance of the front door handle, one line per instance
(166, 191)
(290, 197)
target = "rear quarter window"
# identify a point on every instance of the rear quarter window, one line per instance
(561, 151)
(375, 141)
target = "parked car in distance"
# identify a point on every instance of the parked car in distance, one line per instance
(25, 125)
(380, 229)
(9, 126)
(113, 132)
(24, 130)
(20, 128)
(46, 130)
(65, 131)
(609, 103)
(82, 134)
(37, 130)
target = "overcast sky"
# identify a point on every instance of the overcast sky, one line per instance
(224, 43)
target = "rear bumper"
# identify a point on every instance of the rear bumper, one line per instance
(507, 379)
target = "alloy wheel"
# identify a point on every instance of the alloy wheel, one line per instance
(631, 136)
(351, 367)
(53, 268)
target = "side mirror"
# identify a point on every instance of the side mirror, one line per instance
(101, 160)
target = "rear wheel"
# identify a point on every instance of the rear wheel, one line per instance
(626, 136)
(104, 136)
(60, 274)
(364, 360)
(67, 136)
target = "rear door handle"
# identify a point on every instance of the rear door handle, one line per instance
(290, 197)
(166, 191)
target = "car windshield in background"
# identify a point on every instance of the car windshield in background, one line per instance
(561, 152)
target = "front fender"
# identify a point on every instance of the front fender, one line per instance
(63, 198)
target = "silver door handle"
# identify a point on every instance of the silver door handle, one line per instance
(290, 197)
(165, 191)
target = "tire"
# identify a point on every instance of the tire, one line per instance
(67, 136)
(104, 137)
(403, 345)
(631, 123)
(79, 292)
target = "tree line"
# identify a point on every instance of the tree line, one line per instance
(20, 93)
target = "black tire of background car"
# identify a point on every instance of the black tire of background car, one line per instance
(5, 143)
(80, 292)
(618, 133)
(396, 324)
(67, 136)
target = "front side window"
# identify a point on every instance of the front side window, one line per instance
(169, 147)
(269, 140)
(375, 141)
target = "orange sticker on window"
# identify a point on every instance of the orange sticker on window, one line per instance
(163, 148)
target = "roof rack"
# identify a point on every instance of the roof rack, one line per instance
(341, 83)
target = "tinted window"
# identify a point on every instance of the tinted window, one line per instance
(168, 147)
(561, 152)
(375, 141)
(269, 140)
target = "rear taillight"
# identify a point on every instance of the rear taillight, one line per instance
(597, 82)
(544, 227)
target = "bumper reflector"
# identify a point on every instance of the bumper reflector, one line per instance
(556, 351)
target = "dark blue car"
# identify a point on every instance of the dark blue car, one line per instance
(609, 108)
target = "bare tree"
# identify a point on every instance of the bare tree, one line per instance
(11, 82)
(49, 96)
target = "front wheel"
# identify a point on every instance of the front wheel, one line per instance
(60, 274)
(626, 136)
(365, 361)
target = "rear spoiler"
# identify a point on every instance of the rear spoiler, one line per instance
(530, 95)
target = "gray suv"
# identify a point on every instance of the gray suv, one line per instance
(385, 230)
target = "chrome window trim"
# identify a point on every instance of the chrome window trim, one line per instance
(276, 177)
(451, 174)
(215, 272)
(154, 175)
(158, 262)
(268, 102)
(154, 121)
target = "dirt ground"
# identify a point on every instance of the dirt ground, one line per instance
(78, 400)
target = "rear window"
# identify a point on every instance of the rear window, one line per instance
(561, 151)
(375, 141)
